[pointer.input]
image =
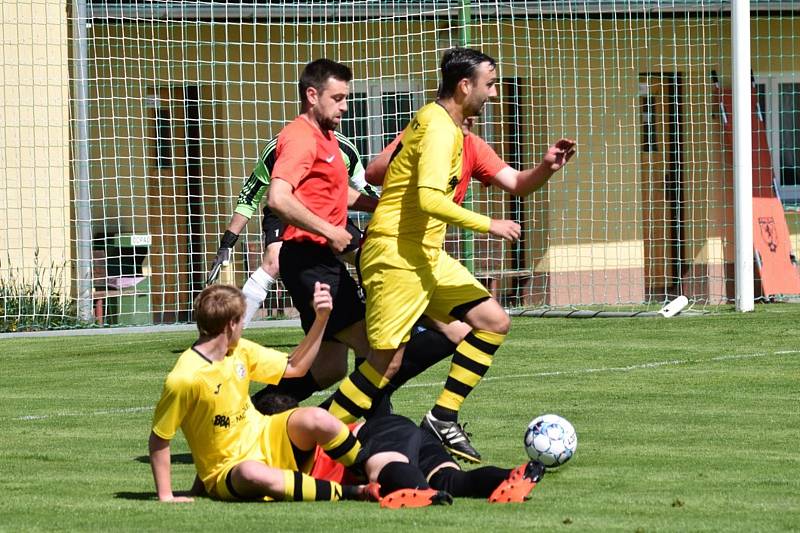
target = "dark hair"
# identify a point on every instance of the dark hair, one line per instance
(317, 73)
(271, 403)
(459, 63)
(217, 306)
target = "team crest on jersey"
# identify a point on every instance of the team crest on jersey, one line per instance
(453, 182)
(240, 372)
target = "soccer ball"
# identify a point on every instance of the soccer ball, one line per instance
(551, 440)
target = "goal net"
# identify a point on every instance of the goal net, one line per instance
(170, 103)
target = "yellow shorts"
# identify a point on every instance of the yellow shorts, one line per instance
(273, 449)
(397, 297)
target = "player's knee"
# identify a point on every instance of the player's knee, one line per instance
(320, 420)
(270, 265)
(385, 362)
(247, 474)
(489, 316)
(270, 268)
(502, 323)
(270, 260)
(496, 322)
(375, 463)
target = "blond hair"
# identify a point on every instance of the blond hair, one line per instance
(216, 306)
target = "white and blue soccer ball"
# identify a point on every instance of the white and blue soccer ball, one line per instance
(551, 440)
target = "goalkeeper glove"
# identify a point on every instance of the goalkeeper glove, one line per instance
(369, 191)
(223, 257)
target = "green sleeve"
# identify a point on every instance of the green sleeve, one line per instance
(352, 160)
(258, 182)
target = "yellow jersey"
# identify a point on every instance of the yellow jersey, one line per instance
(210, 402)
(429, 155)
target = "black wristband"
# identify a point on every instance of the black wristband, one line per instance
(228, 240)
(369, 191)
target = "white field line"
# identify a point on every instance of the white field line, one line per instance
(629, 368)
(641, 366)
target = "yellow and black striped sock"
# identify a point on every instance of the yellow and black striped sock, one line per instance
(356, 393)
(472, 359)
(299, 487)
(343, 448)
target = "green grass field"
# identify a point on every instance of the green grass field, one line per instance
(686, 424)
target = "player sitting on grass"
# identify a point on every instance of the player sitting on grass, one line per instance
(412, 466)
(240, 454)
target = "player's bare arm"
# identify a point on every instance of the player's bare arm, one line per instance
(505, 229)
(524, 182)
(303, 356)
(289, 209)
(160, 463)
(376, 169)
(237, 223)
(223, 257)
(358, 201)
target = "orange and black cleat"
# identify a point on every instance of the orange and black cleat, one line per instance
(415, 498)
(516, 488)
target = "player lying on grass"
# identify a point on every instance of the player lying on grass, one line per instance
(240, 454)
(412, 466)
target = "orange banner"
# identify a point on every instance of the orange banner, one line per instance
(771, 241)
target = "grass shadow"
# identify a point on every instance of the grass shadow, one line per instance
(176, 458)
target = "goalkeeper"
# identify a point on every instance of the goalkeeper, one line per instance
(261, 280)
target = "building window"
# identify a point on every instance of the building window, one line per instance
(163, 137)
(779, 99)
(378, 111)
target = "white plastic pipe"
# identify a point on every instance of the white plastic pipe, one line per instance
(742, 155)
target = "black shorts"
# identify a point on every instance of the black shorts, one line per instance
(304, 263)
(272, 230)
(394, 433)
(271, 227)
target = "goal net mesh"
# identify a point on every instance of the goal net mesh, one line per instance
(179, 98)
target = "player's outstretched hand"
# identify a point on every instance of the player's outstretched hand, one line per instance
(505, 229)
(339, 239)
(222, 259)
(178, 499)
(323, 301)
(559, 153)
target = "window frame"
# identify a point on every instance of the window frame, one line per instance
(375, 89)
(789, 194)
